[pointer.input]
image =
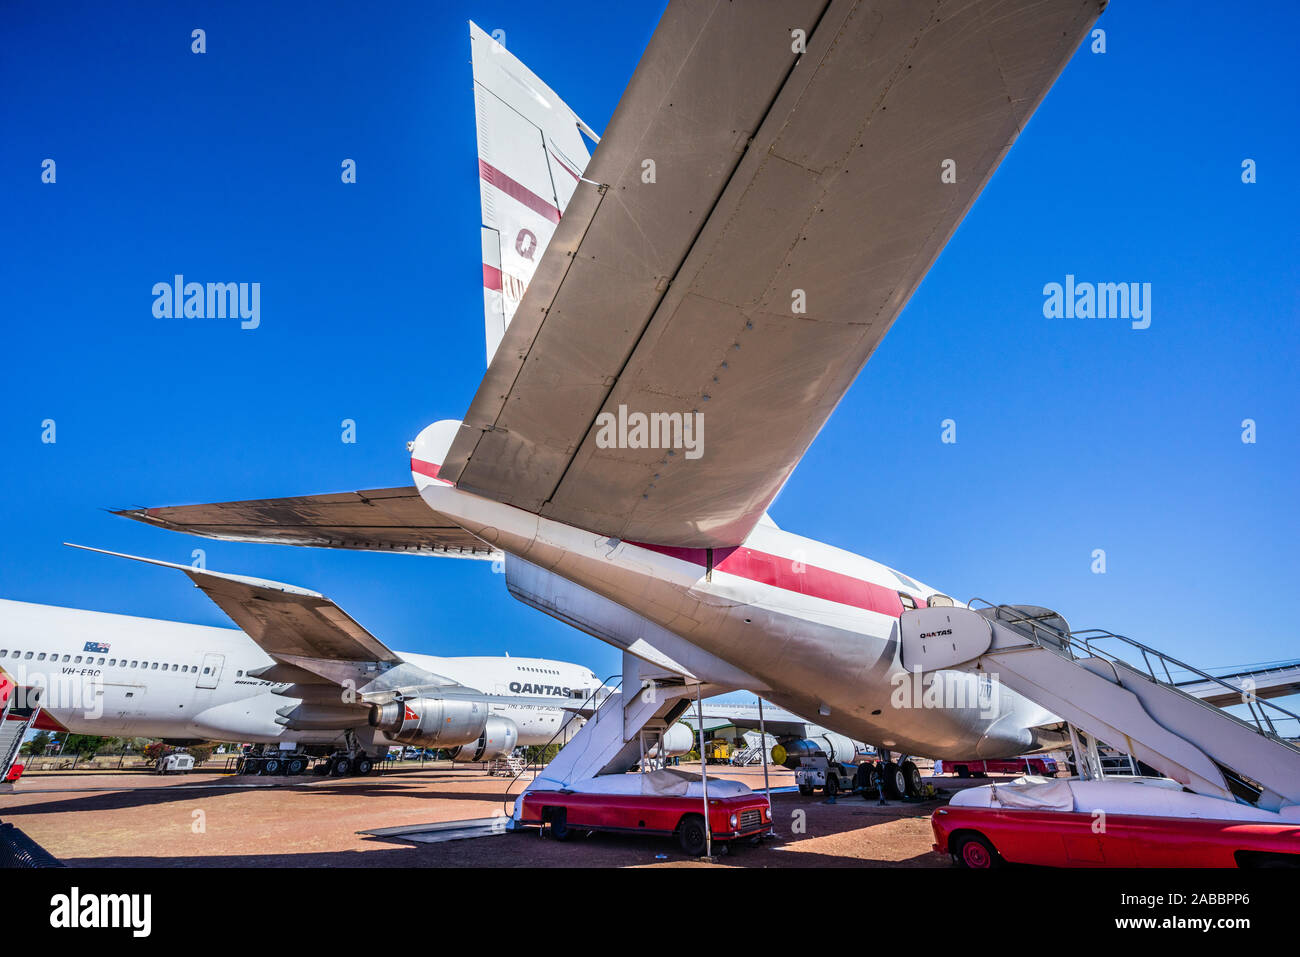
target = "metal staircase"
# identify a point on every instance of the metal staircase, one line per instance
(1137, 708)
(623, 731)
(16, 717)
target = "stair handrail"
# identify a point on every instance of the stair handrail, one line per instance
(604, 686)
(1072, 641)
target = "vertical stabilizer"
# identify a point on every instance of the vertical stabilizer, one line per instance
(530, 156)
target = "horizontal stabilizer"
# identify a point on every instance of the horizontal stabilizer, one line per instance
(378, 520)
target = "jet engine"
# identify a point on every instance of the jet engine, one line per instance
(831, 746)
(677, 740)
(431, 722)
(499, 737)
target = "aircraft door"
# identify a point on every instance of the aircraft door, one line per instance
(210, 671)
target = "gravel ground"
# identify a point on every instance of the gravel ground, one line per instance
(113, 820)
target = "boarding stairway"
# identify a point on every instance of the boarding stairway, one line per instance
(625, 729)
(16, 716)
(1139, 709)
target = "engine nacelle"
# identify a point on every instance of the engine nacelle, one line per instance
(499, 738)
(431, 722)
(831, 746)
(677, 740)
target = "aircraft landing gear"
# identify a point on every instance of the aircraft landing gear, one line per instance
(912, 785)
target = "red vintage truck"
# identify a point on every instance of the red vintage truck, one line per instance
(980, 767)
(666, 803)
(1111, 823)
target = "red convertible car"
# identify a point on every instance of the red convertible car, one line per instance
(1142, 822)
(668, 803)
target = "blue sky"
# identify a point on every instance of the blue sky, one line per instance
(1072, 434)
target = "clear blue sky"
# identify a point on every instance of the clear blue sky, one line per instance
(1072, 434)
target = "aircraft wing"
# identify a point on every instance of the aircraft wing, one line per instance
(762, 217)
(778, 722)
(382, 520)
(308, 635)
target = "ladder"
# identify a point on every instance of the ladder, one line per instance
(16, 717)
(1139, 709)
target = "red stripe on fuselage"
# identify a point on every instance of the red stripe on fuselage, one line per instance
(491, 277)
(517, 190)
(791, 575)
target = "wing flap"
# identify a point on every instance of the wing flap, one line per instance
(390, 519)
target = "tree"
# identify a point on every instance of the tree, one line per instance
(37, 745)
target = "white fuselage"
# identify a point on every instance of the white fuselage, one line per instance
(117, 676)
(806, 625)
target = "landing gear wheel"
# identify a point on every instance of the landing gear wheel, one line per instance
(868, 778)
(365, 765)
(272, 766)
(295, 766)
(974, 851)
(912, 780)
(341, 767)
(806, 789)
(690, 835)
(892, 781)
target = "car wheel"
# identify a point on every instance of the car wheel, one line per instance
(690, 835)
(974, 851)
(912, 779)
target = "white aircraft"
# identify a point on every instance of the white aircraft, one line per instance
(769, 193)
(299, 674)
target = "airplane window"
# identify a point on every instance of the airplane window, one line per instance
(41, 656)
(185, 669)
(154, 666)
(239, 674)
(77, 660)
(134, 663)
(65, 657)
(940, 601)
(101, 661)
(4, 652)
(112, 662)
(909, 603)
(207, 670)
(27, 657)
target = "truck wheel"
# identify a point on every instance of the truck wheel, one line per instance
(892, 781)
(868, 778)
(365, 765)
(560, 824)
(805, 788)
(690, 835)
(294, 766)
(272, 766)
(832, 784)
(975, 851)
(912, 779)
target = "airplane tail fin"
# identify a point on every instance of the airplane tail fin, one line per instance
(531, 156)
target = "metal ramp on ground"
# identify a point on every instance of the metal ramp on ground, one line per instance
(1138, 708)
